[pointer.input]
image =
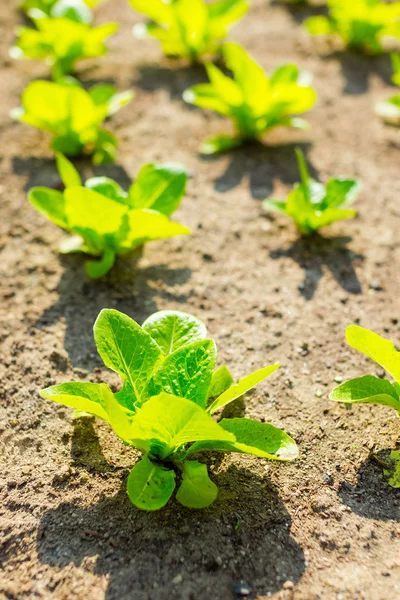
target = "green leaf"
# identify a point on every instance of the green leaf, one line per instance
(274, 205)
(159, 187)
(69, 175)
(173, 329)
(318, 25)
(150, 485)
(98, 268)
(252, 437)
(165, 423)
(49, 203)
(380, 350)
(221, 380)
(107, 187)
(243, 386)
(157, 10)
(85, 396)
(145, 225)
(187, 372)
(367, 389)
(220, 143)
(129, 351)
(196, 490)
(394, 471)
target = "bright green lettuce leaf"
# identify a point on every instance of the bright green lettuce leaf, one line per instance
(367, 389)
(165, 423)
(189, 28)
(129, 351)
(187, 372)
(101, 215)
(49, 203)
(260, 439)
(380, 350)
(221, 380)
(312, 205)
(360, 23)
(253, 101)
(240, 388)
(389, 110)
(69, 175)
(71, 116)
(150, 485)
(196, 490)
(173, 329)
(62, 42)
(160, 187)
(85, 396)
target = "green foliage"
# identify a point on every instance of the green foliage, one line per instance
(75, 10)
(369, 388)
(108, 221)
(390, 109)
(189, 28)
(361, 24)
(73, 116)
(393, 470)
(253, 101)
(170, 355)
(61, 42)
(312, 205)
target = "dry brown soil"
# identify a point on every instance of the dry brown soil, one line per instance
(325, 527)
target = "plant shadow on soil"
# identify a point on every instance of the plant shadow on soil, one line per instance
(128, 288)
(243, 538)
(262, 164)
(315, 253)
(372, 497)
(174, 77)
(357, 70)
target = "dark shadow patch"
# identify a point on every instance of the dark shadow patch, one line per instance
(300, 11)
(316, 253)
(243, 539)
(261, 164)
(358, 68)
(127, 288)
(85, 447)
(372, 497)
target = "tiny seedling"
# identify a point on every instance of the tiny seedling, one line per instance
(61, 42)
(76, 10)
(361, 24)
(170, 390)
(390, 109)
(371, 389)
(253, 101)
(189, 28)
(313, 205)
(108, 221)
(73, 116)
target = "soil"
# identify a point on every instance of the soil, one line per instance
(325, 527)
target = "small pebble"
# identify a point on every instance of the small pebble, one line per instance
(177, 579)
(288, 585)
(241, 590)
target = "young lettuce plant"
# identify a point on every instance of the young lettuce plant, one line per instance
(390, 109)
(254, 102)
(360, 23)
(62, 42)
(313, 205)
(108, 221)
(189, 28)
(76, 10)
(371, 389)
(170, 390)
(73, 116)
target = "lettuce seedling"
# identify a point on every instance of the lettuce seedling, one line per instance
(313, 205)
(73, 116)
(254, 102)
(165, 405)
(189, 28)
(390, 109)
(370, 388)
(62, 42)
(76, 10)
(360, 23)
(108, 221)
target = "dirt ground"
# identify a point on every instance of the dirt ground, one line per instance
(325, 527)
